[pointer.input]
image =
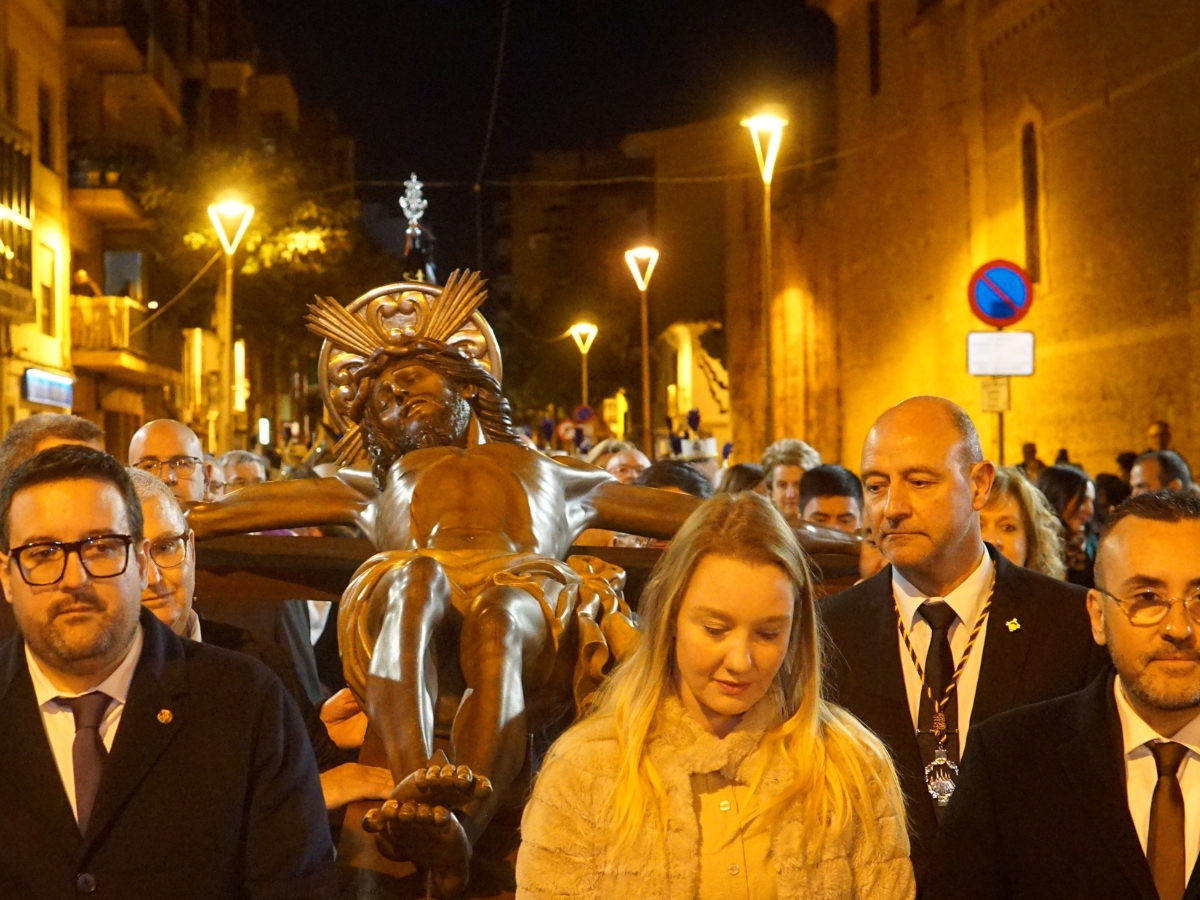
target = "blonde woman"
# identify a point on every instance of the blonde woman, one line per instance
(1020, 523)
(710, 765)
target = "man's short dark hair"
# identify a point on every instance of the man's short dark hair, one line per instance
(829, 481)
(1159, 506)
(1171, 466)
(677, 474)
(71, 462)
(23, 436)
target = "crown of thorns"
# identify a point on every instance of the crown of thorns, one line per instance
(373, 342)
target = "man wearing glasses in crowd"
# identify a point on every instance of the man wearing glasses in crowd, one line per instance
(171, 452)
(335, 732)
(1097, 794)
(127, 748)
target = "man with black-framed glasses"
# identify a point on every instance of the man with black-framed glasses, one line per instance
(171, 452)
(1097, 794)
(126, 748)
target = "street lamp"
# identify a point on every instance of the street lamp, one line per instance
(229, 216)
(584, 333)
(641, 262)
(766, 130)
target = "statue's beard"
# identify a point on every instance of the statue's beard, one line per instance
(443, 428)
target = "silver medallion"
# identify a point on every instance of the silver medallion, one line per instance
(939, 777)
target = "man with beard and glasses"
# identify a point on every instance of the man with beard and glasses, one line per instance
(136, 764)
(1097, 794)
(25, 439)
(468, 619)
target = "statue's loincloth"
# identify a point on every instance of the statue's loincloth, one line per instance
(584, 588)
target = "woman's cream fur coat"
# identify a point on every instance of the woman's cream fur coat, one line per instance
(565, 850)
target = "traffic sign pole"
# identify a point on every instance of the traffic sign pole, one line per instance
(1000, 294)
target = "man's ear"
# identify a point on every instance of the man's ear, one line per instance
(5, 577)
(1175, 485)
(141, 553)
(1095, 607)
(981, 477)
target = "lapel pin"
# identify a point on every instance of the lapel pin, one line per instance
(1013, 625)
(165, 716)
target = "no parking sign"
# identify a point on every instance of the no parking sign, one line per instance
(1000, 293)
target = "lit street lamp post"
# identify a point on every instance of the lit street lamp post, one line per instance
(766, 130)
(584, 333)
(234, 216)
(641, 262)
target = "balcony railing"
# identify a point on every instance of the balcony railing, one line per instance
(107, 323)
(107, 164)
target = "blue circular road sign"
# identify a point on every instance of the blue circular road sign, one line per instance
(1000, 293)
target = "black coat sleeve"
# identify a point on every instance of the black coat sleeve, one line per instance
(967, 858)
(287, 846)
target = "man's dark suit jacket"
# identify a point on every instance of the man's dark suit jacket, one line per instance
(231, 637)
(210, 790)
(1042, 811)
(1052, 653)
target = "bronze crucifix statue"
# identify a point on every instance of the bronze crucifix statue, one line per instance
(468, 608)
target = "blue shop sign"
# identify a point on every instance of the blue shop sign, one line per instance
(48, 388)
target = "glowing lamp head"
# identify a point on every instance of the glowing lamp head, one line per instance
(230, 216)
(766, 130)
(641, 262)
(583, 333)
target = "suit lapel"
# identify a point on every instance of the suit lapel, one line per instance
(33, 773)
(1094, 766)
(152, 717)
(1004, 649)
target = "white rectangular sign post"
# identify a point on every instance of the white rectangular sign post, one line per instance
(995, 356)
(1000, 352)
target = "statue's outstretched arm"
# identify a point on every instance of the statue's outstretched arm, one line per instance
(658, 514)
(279, 504)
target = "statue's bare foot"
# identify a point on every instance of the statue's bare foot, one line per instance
(431, 837)
(441, 784)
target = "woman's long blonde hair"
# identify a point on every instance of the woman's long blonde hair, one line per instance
(1043, 531)
(834, 757)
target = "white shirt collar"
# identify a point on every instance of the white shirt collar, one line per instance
(966, 600)
(1135, 733)
(115, 685)
(192, 632)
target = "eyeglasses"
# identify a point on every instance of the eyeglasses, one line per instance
(1148, 607)
(45, 563)
(183, 466)
(169, 552)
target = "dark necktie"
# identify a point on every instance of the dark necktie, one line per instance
(939, 672)
(1164, 846)
(88, 752)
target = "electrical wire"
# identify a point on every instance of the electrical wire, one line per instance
(162, 309)
(487, 135)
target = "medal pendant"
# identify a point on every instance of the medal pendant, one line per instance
(940, 775)
(938, 725)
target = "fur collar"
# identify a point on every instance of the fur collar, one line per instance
(682, 744)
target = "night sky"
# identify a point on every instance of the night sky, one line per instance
(412, 81)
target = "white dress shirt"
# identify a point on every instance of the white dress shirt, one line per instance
(966, 600)
(1141, 774)
(59, 721)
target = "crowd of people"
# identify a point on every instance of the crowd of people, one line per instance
(1005, 706)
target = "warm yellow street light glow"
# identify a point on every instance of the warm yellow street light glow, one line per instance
(583, 333)
(237, 214)
(766, 130)
(636, 259)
